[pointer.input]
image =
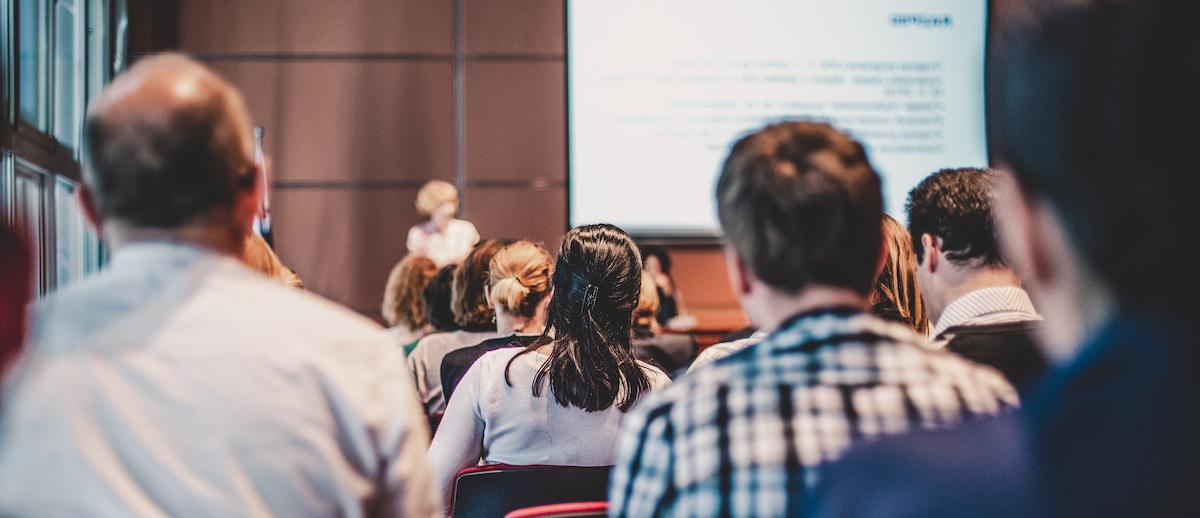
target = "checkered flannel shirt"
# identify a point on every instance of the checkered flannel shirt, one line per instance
(748, 435)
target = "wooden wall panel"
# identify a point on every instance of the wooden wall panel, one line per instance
(298, 26)
(519, 213)
(514, 26)
(387, 121)
(515, 121)
(343, 242)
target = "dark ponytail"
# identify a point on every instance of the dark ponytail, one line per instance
(597, 280)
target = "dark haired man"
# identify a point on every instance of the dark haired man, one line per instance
(180, 382)
(975, 300)
(1092, 112)
(800, 206)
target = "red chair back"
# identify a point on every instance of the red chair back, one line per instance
(571, 510)
(497, 489)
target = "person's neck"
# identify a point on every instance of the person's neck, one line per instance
(773, 307)
(508, 324)
(215, 238)
(969, 280)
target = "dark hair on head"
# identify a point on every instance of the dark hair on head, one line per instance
(597, 279)
(801, 204)
(471, 310)
(897, 297)
(955, 205)
(1092, 105)
(158, 160)
(659, 253)
(437, 296)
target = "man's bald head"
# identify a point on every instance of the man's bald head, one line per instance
(168, 144)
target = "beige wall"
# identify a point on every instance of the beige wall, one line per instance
(360, 106)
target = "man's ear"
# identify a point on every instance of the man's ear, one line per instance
(739, 272)
(91, 214)
(250, 202)
(931, 247)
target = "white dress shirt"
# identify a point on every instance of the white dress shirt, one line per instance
(998, 305)
(490, 419)
(178, 382)
(449, 246)
(715, 352)
(425, 363)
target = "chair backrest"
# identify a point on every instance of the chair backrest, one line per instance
(571, 510)
(500, 488)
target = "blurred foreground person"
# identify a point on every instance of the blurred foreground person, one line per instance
(1092, 110)
(180, 382)
(750, 433)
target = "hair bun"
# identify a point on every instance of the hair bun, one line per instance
(509, 293)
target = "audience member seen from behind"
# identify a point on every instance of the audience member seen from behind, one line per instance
(179, 381)
(15, 283)
(1091, 209)
(670, 352)
(518, 289)
(441, 237)
(257, 254)
(800, 206)
(897, 296)
(472, 313)
(438, 297)
(560, 400)
(403, 306)
(671, 311)
(980, 309)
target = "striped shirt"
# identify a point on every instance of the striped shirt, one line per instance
(748, 435)
(987, 306)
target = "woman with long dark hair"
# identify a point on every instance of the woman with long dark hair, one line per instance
(561, 399)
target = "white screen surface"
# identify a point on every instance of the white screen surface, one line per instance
(659, 89)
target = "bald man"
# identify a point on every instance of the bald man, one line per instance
(178, 382)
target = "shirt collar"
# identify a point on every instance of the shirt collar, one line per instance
(983, 302)
(144, 252)
(815, 325)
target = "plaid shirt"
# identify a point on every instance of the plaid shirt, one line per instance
(748, 435)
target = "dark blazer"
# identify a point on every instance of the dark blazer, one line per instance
(1010, 348)
(1113, 433)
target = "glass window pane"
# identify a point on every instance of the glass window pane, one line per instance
(32, 56)
(72, 253)
(99, 60)
(29, 217)
(67, 76)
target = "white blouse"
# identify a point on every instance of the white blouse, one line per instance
(450, 246)
(490, 420)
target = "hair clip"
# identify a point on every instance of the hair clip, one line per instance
(590, 295)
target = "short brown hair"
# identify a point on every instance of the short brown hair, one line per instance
(168, 143)
(801, 204)
(402, 300)
(471, 310)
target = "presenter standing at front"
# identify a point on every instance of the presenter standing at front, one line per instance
(441, 237)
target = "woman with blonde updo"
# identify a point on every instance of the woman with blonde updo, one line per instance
(518, 285)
